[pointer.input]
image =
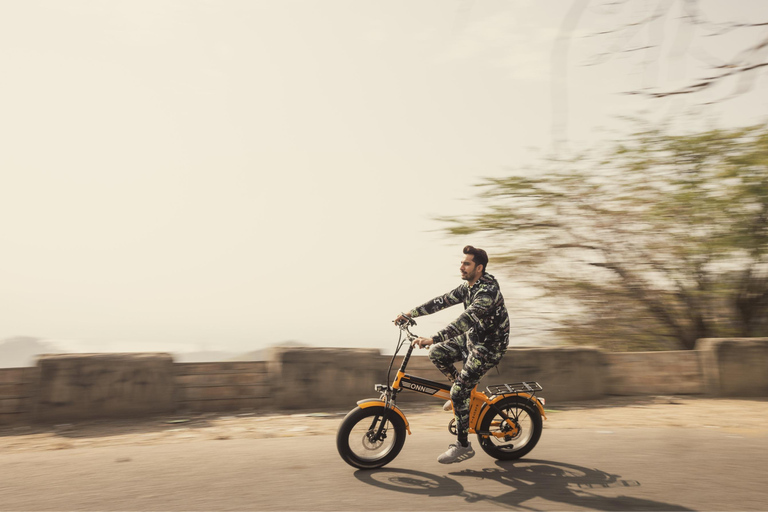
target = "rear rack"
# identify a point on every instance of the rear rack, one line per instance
(518, 387)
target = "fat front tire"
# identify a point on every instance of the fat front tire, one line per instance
(505, 445)
(370, 438)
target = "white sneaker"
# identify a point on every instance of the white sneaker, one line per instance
(456, 453)
(448, 406)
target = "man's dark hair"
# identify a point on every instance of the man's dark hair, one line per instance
(479, 256)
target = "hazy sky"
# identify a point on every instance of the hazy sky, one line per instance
(178, 175)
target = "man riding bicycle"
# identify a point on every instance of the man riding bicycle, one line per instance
(478, 337)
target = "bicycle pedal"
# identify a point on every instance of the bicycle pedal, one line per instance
(452, 427)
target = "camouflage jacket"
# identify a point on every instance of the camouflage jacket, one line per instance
(485, 318)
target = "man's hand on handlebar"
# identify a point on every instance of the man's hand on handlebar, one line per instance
(422, 342)
(403, 319)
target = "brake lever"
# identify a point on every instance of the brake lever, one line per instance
(408, 322)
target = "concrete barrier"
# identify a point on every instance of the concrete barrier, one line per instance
(207, 387)
(68, 387)
(677, 372)
(17, 394)
(311, 377)
(78, 386)
(338, 378)
(565, 373)
(735, 366)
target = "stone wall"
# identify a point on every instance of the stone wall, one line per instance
(76, 386)
(306, 377)
(17, 393)
(735, 366)
(204, 387)
(654, 373)
(565, 373)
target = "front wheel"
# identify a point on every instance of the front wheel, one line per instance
(370, 438)
(500, 440)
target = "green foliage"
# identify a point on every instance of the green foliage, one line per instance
(659, 241)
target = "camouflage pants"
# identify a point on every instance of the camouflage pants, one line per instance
(477, 361)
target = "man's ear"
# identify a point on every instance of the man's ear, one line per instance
(481, 268)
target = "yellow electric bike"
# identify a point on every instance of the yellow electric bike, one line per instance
(507, 418)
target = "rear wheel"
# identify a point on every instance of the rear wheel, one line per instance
(504, 441)
(370, 438)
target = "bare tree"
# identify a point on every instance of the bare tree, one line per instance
(726, 56)
(658, 241)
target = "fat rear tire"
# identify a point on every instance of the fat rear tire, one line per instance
(525, 414)
(354, 438)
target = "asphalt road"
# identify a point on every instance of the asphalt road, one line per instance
(570, 469)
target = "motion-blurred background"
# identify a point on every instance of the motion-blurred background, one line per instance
(214, 178)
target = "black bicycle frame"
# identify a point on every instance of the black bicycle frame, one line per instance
(419, 384)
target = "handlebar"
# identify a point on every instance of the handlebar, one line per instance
(405, 323)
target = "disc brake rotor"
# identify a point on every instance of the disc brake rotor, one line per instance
(369, 443)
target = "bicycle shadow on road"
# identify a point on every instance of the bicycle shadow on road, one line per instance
(564, 483)
(571, 485)
(411, 482)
